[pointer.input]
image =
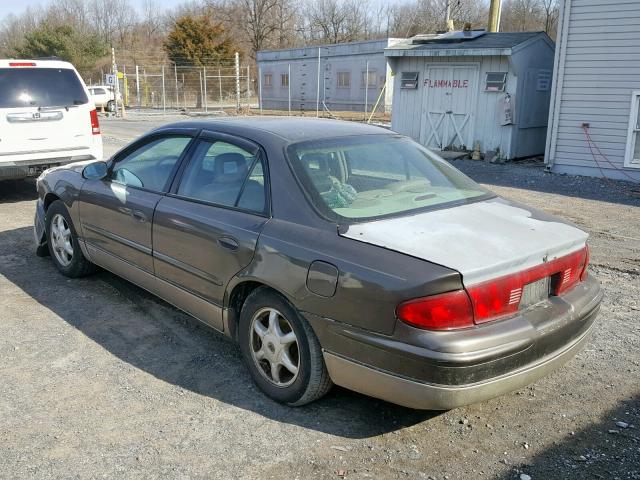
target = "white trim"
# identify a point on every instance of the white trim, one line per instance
(557, 84)
(632, 131)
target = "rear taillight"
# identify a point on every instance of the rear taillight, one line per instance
(95, 124)
(493, 299)
(22, 64)
(446, 311)
(585, 273)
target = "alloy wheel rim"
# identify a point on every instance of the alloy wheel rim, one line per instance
(274, 347)
(61, 240)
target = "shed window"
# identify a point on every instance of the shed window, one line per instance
(344, 79)
(409, 80)
(632, 157)
(369, 79)
(284, 79)
(495, 81)
(268, 80)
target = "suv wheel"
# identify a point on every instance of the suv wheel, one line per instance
(62, 241)
(280, 349)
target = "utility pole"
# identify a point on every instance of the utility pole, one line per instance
(494, 15)
(237, 62)
(116, 87)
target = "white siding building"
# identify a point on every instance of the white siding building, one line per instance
(340, 77)
(594, 120)
(453, 90)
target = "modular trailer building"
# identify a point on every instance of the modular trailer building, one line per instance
(338, 77)
(455, 89)
(594, 123)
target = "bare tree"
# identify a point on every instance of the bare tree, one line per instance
(550, 10)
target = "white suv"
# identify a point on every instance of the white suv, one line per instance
(103, 97)
(46, 118)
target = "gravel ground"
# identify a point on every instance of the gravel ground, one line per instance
(99, 379)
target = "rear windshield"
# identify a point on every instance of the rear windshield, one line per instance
(40, 87)
(366, 177)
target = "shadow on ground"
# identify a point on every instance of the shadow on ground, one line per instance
(604, 450)
(17, 190)
(153, 336)
(533, 177)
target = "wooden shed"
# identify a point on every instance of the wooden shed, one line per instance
(455, 89)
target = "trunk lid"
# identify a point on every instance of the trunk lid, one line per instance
(481, 240)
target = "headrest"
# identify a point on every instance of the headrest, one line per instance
(230, 164)
(316, 157)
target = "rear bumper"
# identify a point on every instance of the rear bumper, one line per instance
(17, 165)
(32, 168)
(444, 370)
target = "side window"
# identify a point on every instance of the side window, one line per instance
(225, 174)
(151, 165)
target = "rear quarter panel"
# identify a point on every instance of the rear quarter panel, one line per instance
(371, 280)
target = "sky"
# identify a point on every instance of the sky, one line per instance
(18, 6)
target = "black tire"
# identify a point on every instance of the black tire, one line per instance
(111, 106)
(79, 266)
(312, 381)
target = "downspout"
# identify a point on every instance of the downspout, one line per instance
(557, 85)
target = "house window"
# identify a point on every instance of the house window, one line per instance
(268, 80)
(284, 79)
(632, 156)
(495, 81)
(369, 79)
(344, 79)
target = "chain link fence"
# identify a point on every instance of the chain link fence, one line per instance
(167, 87)
(153, 85)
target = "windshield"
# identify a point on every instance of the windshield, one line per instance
(365, 177)
(40, 87)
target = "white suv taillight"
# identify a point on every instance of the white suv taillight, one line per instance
(95, 124)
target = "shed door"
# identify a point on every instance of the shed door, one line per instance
(447, 119)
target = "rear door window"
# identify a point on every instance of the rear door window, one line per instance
(224, 174)
(40, 87)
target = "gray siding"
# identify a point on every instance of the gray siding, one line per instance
(597, 68)
(532, 109)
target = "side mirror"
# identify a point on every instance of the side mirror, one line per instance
(95, 171)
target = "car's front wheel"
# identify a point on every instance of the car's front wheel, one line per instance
(281, 350)
(62, 241)
(111, 106)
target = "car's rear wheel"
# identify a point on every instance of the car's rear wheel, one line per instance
(62, 241)
(281, 350)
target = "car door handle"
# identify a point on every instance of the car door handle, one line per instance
(228, 243)
(139, 216)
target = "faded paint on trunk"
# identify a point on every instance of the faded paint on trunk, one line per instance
(481, 240)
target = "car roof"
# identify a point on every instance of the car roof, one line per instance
(39, 63)
(291, 129)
